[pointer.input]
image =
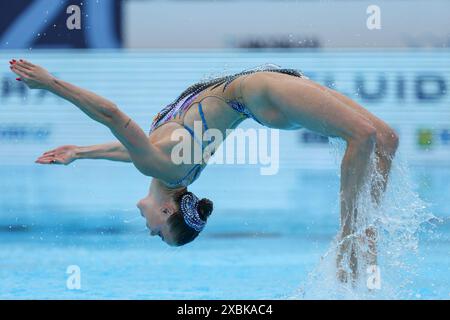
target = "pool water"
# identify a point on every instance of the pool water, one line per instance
(263, 239)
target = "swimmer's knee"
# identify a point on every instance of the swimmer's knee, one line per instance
(364, 136)
(388, 141)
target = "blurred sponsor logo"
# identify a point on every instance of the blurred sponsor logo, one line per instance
(445, 136)
(427, 138)
(11, 89)
(374, 88)
(310, 137)
(21, 132)
(279, 41)
(427, 88)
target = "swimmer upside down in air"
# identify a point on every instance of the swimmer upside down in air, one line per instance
(276, 98)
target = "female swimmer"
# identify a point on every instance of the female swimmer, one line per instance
(274, 97)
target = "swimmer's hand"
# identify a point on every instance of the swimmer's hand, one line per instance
(34, 76)
(62, 155)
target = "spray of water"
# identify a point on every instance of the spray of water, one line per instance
(397, 220)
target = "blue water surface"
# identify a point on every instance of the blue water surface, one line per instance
(260, 243)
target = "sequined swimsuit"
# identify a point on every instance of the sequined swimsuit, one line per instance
(176, 112)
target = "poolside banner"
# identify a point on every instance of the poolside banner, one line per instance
(293, 24)
(408, 89)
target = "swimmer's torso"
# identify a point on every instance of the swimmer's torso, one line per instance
(220, 108)
(209, 109)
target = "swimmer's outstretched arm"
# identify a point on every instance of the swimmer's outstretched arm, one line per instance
(114, 151)
(147, 158)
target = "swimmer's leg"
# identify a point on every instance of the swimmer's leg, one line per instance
(386, 143)
(354, 170)
(316, 109)
(386, 146)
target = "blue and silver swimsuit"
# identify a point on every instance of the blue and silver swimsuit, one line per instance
(176, 111)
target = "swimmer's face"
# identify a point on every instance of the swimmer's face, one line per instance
(156, 215)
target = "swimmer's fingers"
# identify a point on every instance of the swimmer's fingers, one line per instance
(44, 158)
(60, 150)
(19, 72)
(50, 152)
(26, 63)
(51, 156)
(60, 155)
(50, 160)
(54, 160)
(35, 77)
(43, 161)
(22, 69)
(19, 69)
(23, 65)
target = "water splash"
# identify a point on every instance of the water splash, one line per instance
(398, 218)
(134, 218)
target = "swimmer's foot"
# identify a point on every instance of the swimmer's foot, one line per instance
(368, 246)
(347, 256)
(372, 239)
(347, 261)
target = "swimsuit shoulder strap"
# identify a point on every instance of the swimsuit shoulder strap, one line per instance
(202, 116)
(235, 104)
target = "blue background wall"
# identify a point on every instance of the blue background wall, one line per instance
(409, 89)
